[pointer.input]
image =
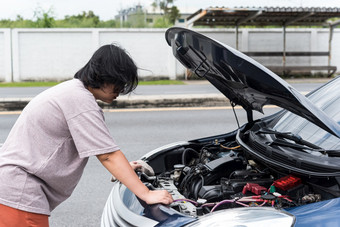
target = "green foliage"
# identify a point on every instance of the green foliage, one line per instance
(83, 20)
(162, 22)
(108, 24)
(29, 84)
(174, 14)
(161, 82)
(136, 21)
(18, 23)
(171, 12)
(44, 19)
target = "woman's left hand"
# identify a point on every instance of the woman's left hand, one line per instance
(135, 165)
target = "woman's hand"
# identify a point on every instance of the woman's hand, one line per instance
(135, 165)
(158, 196)
(152, 197)
(118, 166)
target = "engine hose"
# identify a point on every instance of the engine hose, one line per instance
(213, 194)
(185, 180)
(191, 185)
(198, 186)
(185, 154)
(183, 183)
(150, 186)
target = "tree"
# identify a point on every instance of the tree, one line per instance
(109, 24)
(85, 19)
(174, 14)
(44, 19)
(168, 8)
(162, 22)
(20, 22)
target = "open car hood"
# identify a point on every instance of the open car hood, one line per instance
(241, 79)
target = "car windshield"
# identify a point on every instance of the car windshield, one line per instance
(327, 99)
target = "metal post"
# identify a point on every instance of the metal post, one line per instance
(284, 50)
(11, 52)
(330, 47)
(236, 37)
(332, 25)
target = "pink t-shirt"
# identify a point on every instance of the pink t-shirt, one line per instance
(47, 149)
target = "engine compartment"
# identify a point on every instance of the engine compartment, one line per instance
(212, 175)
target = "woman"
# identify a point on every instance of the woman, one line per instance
(48, 147)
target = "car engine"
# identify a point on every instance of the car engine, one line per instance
(215, 175)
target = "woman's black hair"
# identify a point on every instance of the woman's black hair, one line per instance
(110, 64)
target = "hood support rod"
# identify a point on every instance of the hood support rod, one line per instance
(250, 115)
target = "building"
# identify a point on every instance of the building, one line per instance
(138, 16)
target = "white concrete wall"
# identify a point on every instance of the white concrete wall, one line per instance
(5, 55)
(57, 54)
(146, 46)
(49, 54)
(296, 40)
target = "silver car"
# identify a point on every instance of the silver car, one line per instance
(281, 170)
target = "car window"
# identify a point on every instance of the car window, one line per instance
(327, 99)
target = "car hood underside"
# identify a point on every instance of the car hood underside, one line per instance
(241, 79)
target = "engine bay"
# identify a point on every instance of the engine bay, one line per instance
(204, 177)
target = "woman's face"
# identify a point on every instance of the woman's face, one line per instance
(107, 93)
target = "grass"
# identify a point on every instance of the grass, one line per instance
(49, 84)
(29, 84)
(161, 82)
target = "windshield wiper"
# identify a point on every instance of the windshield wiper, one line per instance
(299, 142)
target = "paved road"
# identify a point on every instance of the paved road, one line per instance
(136, 132)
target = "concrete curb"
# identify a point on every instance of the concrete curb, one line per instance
(13, 104)
(129, 102)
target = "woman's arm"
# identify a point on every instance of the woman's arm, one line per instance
(118, 166)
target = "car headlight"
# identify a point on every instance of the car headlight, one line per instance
(246, 217)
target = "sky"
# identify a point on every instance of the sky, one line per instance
(107, 9)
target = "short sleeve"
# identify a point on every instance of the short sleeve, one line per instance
(90, 134)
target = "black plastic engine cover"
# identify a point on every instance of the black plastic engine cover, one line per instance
(221, 167)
